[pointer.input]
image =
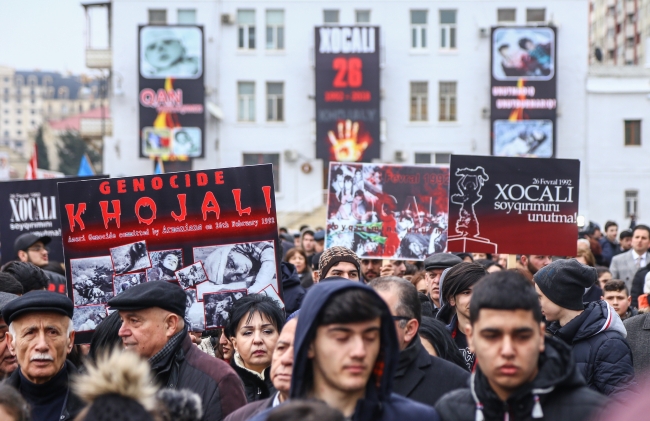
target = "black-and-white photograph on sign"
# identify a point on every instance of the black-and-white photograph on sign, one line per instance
(217, 307)
(523, 138)
(87, 318)
(130, 257)
(527, 53)
(194, 316)
(175, 52)
(191, 275)
(123, 282)
(92, 280)
(164, 264)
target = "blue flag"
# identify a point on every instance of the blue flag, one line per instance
(85, 168)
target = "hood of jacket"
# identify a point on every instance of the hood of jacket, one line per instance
(557, 370)
(379, 386)
(597, 317)
(290, 277)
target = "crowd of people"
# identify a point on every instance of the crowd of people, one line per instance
(457, 336)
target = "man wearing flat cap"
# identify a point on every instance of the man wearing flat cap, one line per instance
(41, 335)
(434, 266)
(153, 326)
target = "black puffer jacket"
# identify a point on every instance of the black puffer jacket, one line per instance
(602, 355)
(293, 291)
(559, 388)
(256, 389)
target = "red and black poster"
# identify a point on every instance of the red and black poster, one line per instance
(513, 205)
(388, 211)
(347, 93)
(32, 206)
(211, 231)
(523, 91)
(171, 92)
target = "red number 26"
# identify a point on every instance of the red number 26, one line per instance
(348, 73)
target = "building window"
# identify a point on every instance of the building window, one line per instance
(362, 16)
(535, 15)
(32, 80)
(443, 158)
(186, 16)
(631, 202)
(6, 133)
(447, 101)
(33, 123)
(18, 132)
(246, 23)
(33, 111)
(275, 29)
(448, 29)
(632, 132)
(266, 158)
(419, 101)
(506, 15)
(18, 111)
(246, 101)
(418, 29)
(330, 17)
(275, 101)
(157, 17)
(20, 81)
(422, 158)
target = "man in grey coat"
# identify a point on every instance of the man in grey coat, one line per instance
(638, 336)
(625, 265)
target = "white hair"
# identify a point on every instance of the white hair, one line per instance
(12, 331)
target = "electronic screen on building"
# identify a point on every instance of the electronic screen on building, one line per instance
(171, 92)
(523, 91)
(347, 93)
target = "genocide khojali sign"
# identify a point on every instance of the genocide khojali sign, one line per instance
(213, 232)
(388, 211)
(171, 91)
(347, 93)
(513, 205)
(523, 91)
(31, 206)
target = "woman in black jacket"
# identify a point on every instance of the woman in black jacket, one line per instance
(253, 327)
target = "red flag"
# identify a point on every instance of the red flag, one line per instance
(30, 173)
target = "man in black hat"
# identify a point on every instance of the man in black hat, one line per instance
(31, 248)
(338, 262)
(434, 265)
(595, 332)
(41, 336)
(153, 326)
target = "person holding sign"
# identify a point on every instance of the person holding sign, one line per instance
(153, 326)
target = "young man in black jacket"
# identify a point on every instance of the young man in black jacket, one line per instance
(520, 374)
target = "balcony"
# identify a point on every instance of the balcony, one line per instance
(99, 59)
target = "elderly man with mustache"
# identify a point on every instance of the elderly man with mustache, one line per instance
(41, 335)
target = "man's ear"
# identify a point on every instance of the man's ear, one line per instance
(470, 340)
(10, 340)
(542, 332)
(411, 330)
(22, 256)
(315, 276)
(172, 322)
(71, 338)
(452, 301)
(310, 352)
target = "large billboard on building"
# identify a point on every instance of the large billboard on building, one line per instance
(388, 211)
(347, 93)
(523, 91)
(171, 92)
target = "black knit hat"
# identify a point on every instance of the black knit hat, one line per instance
(333, 256)
(564, 282)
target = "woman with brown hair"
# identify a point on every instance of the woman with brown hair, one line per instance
(298, 258)
(586, 257)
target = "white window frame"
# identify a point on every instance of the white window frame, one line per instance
(244, 33)
(356, 16)
(444, 112)
(446, 30)
(420, 99)
(246, 102)
(419, 32)
(507, 22)
(274, 112)
(277, 32)
(179, 12)
(338, 16)
(151, 21)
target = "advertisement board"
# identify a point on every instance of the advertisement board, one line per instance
(347, 93)
(211, 231)
(523, 91)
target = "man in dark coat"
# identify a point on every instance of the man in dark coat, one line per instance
(419, 376)
(42, 335)
(595, 333)
(153, 326)
(638, 282)
(346, 354)
(638, 336)
(293, 291)
(520, 374)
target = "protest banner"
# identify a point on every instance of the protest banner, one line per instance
(513, 205)
(210, 231)
(388, 211)
(31, 206)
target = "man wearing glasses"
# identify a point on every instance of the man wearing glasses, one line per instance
(31, 248)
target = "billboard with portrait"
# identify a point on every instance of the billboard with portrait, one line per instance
(171, 91)
(347, 93)
(388, 211)
(523, 92)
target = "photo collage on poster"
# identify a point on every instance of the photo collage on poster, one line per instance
(388, 211)
(523, 92)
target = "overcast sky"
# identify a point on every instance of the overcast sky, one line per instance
(42, 34)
